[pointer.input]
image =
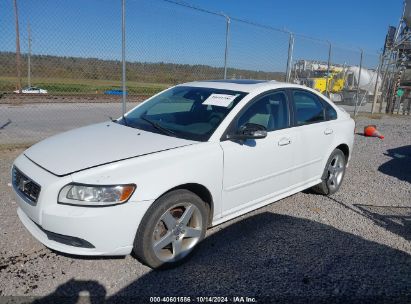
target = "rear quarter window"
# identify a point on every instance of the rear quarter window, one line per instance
(330, 112)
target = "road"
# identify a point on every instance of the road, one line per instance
(29, 123)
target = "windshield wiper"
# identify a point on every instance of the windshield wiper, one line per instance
(158, 126)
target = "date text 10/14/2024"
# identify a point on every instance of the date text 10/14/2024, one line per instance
(235, 299)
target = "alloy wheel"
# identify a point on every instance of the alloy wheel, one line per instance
(177, 232)
(335, 171)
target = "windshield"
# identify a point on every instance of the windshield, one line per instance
(186, 112)
(319, 74)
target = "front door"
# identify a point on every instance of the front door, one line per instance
(256, 170)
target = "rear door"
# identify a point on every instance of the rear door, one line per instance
(255, 170)
(315, 134)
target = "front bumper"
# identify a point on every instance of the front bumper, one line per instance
(109, 231)
(73, 229)
(104, 244)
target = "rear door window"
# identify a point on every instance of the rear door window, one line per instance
(307, 108)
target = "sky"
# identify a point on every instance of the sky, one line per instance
(158, 31)
(354, 23)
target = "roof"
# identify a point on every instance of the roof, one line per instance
(242, 85)
(240, 81)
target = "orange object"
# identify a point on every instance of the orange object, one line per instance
(371, 130)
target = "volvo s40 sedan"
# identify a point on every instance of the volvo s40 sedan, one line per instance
(190, 157)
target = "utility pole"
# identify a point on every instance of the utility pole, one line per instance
(327, 89)
(29, 57)
(376, 89)
(123, 54)
(289, 57)
(227, 42)
(358, 101)
(18, 58)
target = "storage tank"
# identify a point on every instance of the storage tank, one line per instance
(368, 78)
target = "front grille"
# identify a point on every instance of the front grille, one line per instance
(25, 186)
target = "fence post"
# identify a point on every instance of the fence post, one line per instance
(18, 58)
(290, 57)
(123, 53)
(227, 41)
(358, 85)
(384, 86)
(328, 69)
(29, 56)
(374, 104)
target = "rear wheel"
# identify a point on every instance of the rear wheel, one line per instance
(171, 229)
(333, 174)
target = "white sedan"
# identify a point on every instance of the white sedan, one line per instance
(188, 158)
(32, 90)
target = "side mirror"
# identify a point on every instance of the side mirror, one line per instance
(249, 131)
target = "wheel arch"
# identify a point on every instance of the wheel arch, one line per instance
(345, 149)
(202, 192)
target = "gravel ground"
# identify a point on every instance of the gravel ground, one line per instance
(355, 245)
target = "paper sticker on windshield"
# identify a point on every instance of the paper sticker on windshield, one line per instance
(219, 100)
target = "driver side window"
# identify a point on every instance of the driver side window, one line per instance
(270, 111)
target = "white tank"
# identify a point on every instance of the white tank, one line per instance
(368, 78)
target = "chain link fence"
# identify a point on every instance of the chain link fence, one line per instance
(74, 54)
(347, 76)
(256, 51)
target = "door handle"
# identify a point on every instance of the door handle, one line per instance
(328, 131)
(284, 141)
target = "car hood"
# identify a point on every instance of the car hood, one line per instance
(97, 145)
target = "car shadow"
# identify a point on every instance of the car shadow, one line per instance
(73, 291)
(87, 257)
(274, 258)
(400, 164)
(396, 219)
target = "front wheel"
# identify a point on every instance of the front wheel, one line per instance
(171, 229)
(333, 174)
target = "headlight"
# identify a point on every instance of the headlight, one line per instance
(95, 195)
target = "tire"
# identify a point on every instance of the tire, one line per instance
(171, 229)
(333, 175)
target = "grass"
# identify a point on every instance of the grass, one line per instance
(65, 86)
